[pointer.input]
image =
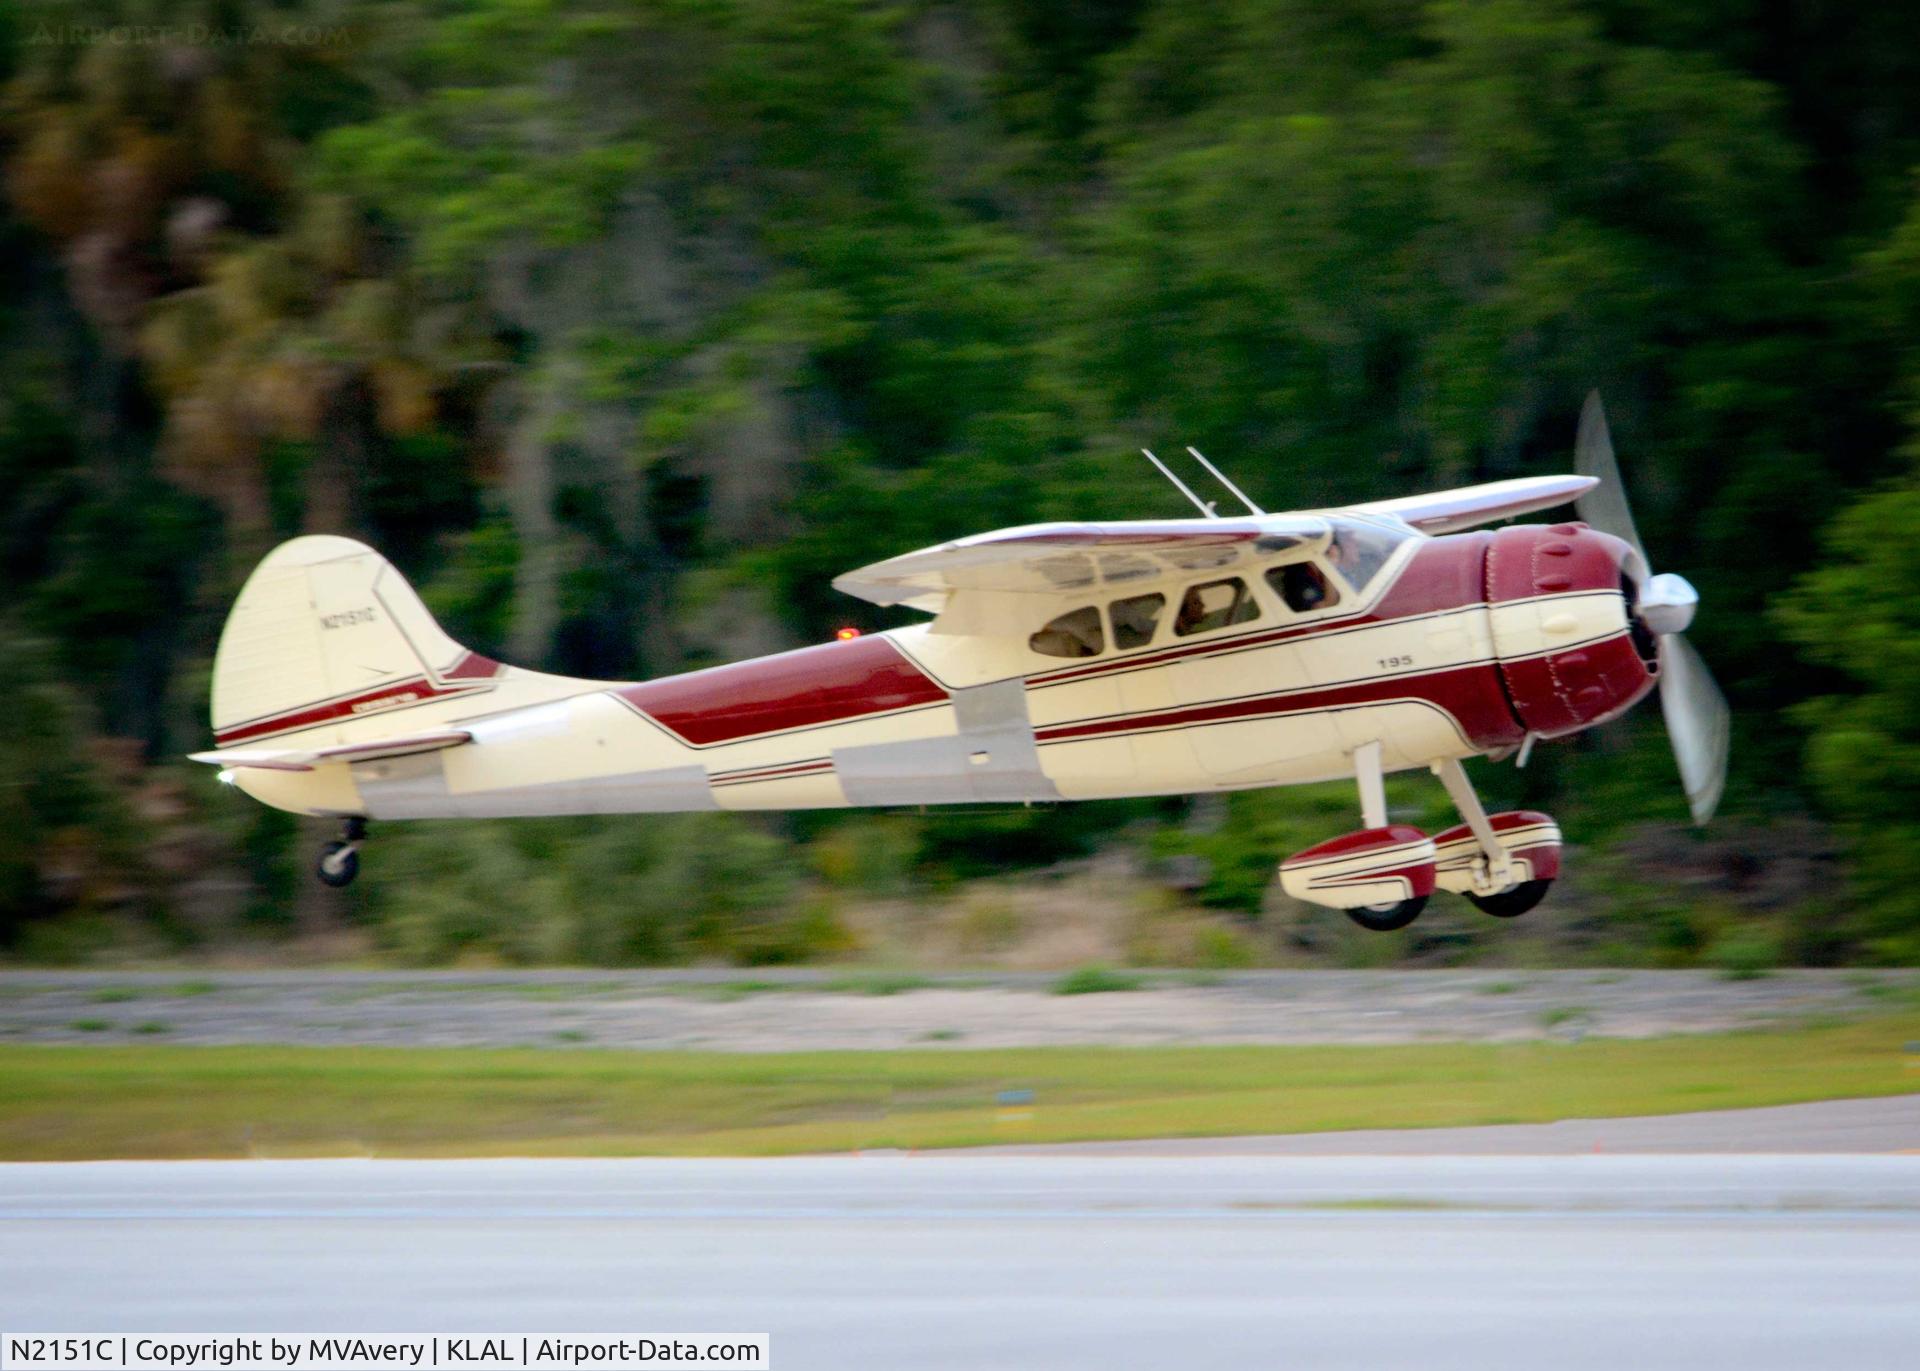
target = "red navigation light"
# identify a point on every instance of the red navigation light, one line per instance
(845, 633)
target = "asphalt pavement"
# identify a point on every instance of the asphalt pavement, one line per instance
(948, 1260)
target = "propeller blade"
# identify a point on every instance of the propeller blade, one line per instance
(1605, 506)
(1697, 724)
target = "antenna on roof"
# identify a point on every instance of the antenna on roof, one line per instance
(1205, 509)
(1221, 477)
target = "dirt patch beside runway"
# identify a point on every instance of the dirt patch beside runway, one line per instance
(800, 1010)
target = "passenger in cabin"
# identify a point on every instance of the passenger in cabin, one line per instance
(1135, 618)
(1193, 612)
(1074, 634)
(1301, 586)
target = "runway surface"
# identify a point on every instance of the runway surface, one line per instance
(954, 1260)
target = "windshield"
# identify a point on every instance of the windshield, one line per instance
(1358, 550)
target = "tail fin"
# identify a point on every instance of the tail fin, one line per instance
(327, 641)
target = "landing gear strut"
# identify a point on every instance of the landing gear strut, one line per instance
(1492, 872)
(1503, 863)
(340, 861)
(1381, 875)
(1397, 914)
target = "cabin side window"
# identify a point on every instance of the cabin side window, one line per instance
(1214, 604)
(1302, 587)
(1135, 619)
(1076, 633)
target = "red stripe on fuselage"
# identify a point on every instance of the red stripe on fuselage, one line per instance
(827, 684)
(401, 695)
(1470, 695)
(773, 773)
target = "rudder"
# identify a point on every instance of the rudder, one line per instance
(326, 638)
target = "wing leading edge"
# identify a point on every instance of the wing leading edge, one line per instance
(1450, 511)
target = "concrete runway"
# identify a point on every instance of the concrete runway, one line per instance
(960, 1261)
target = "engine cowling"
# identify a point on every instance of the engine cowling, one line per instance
(1571, 651)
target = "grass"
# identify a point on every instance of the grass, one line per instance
(1097, 980)
(1564, 1015)
(874, 983)
(164, 1100)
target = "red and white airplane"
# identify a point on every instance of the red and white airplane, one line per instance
(1062, 661)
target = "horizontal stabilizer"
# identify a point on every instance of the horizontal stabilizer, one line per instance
(306, 759)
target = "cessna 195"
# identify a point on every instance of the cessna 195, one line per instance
(1063, 662)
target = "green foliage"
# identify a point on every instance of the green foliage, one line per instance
(1859, 613)
(641, 890)
(472, 596)
(625, 328)
(1746, 955)
(65, 836)
(1096, 980)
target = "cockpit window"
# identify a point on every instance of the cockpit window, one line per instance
(1135, 619)
(1214, 604)
(1358, 550)
(1302, 587)
(1074, 634)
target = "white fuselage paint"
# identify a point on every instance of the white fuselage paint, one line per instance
(997, 735)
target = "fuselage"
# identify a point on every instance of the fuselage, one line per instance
(1242, 671)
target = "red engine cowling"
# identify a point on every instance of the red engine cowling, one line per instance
(1571, 653)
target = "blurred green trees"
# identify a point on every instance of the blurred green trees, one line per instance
(625, 327)
(1860, 613)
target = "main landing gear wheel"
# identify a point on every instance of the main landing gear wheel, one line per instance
(1386, 918)
(1511, 904)
(340, 861)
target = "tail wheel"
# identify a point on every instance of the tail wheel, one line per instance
(1511, 904)
(1385, 918)
(339, 863)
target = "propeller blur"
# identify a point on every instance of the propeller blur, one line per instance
(1698, 723)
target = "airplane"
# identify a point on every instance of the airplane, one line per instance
(1062, 661)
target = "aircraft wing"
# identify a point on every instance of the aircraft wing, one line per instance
(1063, 558)
(306, 759)
(1449, 511)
